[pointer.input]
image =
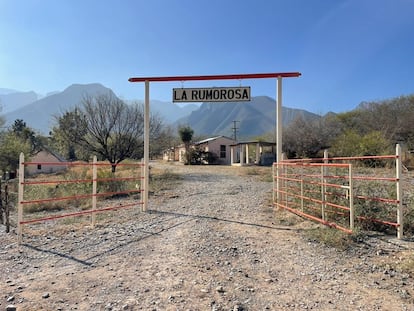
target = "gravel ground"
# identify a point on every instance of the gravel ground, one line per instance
(211, 243)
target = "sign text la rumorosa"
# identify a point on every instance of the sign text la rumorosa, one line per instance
(215, 94)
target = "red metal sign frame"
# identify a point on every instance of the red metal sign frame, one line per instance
(218, 77)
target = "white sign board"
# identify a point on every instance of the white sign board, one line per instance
(214, 94)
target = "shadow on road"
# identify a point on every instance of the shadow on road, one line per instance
(222, 219)
(147, 233)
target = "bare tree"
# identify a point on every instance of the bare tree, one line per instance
(111, 129)
(306, 138)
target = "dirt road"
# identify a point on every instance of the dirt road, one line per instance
(210, 243)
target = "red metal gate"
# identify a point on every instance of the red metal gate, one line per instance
(340, 192)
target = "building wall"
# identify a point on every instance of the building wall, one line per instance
(44, 156)
(180, 151)
(169, 155)
(214, 146)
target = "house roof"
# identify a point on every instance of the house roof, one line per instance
(211, 139)
(261, 143)
(53, 153)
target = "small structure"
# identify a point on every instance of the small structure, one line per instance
(45, 156)
(170, 154)
(253, 152)
(174, 154)
(219, 146)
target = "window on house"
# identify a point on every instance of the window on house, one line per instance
(39, 166)
(222, 151)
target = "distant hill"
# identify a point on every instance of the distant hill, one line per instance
(172, 112)
(39, 115)
(255, 118)
(14, 100)
(169, 111)
(7, 91)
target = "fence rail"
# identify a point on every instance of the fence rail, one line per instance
(40, 194)
(340, 191)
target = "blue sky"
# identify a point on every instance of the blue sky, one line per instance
(348, 51)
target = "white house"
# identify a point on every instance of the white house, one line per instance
(45, 162)
(219, 146)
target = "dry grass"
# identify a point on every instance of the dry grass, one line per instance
(285, 218)
(406, 263)
(163, 179)
(331, 237)
(76, 181)
(264, 173)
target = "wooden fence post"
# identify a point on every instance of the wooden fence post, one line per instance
(2, 210)
(20, 199)
(94, 189)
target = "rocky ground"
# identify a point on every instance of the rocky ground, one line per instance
(210, 243)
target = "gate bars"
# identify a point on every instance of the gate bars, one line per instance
(302, 183)
(23, 183)
(329, 190)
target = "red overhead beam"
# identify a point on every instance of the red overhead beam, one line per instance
(218, 77)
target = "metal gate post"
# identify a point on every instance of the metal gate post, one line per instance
(141, 183)
(324, 181)
(302, 190)
(94, 188)
(398, 171)
(323, 205)
(278, 133)
(20, 199)
(146, 146)
(273, 183)
(351, 198)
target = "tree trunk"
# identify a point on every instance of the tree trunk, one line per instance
(187, 153)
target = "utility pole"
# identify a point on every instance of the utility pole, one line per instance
(235, 129)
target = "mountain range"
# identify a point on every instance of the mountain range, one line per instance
(14, 100)
(40, 113)
(253, 118)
